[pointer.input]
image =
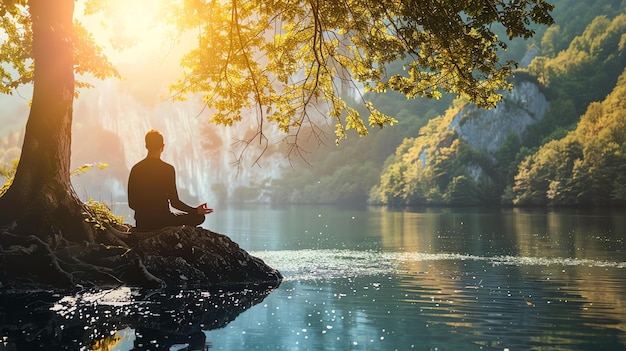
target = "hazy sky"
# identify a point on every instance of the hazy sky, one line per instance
(148, 63)
(149, 59)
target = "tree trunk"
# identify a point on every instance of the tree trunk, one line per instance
(46, 246)
(41, 200)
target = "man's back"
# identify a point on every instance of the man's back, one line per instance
(150, 186)
(152, 190)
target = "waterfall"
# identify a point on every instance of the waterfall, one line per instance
(109, 127)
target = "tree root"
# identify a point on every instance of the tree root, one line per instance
(114, 236)
(27, 259)
(30, 256)
(173, 256)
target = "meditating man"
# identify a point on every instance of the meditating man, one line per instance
(152, 189)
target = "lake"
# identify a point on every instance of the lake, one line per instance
(375, 278)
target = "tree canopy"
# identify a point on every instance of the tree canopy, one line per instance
(16, 56)
(292, 61)
(291, 58)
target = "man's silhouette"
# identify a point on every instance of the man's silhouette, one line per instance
(152, 189)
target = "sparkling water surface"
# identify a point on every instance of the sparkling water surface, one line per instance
(433, 279)
(375, 278)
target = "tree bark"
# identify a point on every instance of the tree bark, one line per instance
(41, 200)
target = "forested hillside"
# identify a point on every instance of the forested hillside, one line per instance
(425, 160)
(587, 166)
(453, 170)
(346, 173)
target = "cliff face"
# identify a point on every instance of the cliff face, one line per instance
(453, 160)
(486, 130)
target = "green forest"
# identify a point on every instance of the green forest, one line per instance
(575, 153)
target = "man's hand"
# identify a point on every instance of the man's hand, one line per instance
(202, 209)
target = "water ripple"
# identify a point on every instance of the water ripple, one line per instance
(331, 264)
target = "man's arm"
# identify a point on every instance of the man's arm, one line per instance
(131, 189)
(181, 206)
(173, 195)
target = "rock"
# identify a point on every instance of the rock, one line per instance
(188, 256)
(85, 295)
(173, 257)
(486, 130)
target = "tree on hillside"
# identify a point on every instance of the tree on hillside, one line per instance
(303, 46)
(587, 166)
(588, 69)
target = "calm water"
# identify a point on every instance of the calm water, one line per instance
(381, 279)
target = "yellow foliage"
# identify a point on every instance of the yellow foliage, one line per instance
(108, 343)
(293, 57)
(87, 166)
(101, 215)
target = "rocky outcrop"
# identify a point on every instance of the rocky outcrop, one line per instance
(167, 286)
(175, 257)
(188, 256)
(486, 130)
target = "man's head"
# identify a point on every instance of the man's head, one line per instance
(154, 140)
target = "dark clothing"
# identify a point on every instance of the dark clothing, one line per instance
(168, 220)
(151, 191)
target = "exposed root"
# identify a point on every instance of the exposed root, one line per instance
(174, 256)
(28, 258)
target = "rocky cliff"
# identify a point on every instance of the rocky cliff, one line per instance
(486, 130)
(455, 158)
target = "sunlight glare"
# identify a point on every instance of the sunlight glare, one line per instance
(136, 38)
(132, 23)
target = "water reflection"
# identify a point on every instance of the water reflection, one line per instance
(437, 301)
(441, 279)
(120, 318)
(378, 279)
